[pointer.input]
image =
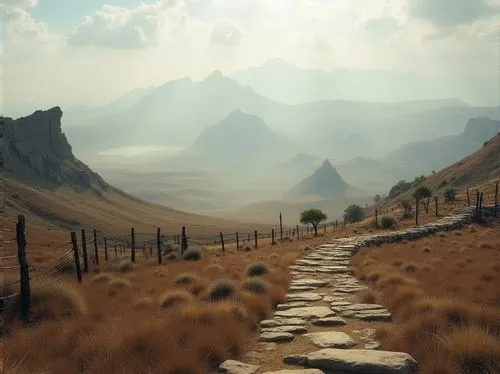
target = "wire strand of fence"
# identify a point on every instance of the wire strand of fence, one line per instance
(49, 281)
(13, 240)
(45, 264)
(7, 257)
(9, 296)
(9, 284)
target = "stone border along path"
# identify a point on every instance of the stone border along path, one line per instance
(321, 302)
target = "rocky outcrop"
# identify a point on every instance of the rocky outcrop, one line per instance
(36, 150)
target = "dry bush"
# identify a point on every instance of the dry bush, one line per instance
(186, 279)
(101, 278)
(171, 256)
(257, 269)
(117, 284)
(401, 296)
(256, 286)
(473, 350)
(258, 306)
(221, 290)
(394, 279)
(409, 267)
(458, 233)
(442, 235)
(50, 300)
(426, 249)
(173, 298)
(124, 266)
(193, 254)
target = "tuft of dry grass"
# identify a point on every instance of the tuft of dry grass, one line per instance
(409, 267)
(186, 278)
(221, 290)
(368, 297)
(473, 350)
(174, 298)
(125, 266)
(117, 284)
(257, 269)
(193, 254)
(144, 303)
(426, 249)
(255, 286)
(485, 245)
(101, 278)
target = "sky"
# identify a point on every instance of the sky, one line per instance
(88, 52)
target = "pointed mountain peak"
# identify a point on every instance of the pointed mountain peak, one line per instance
(327, 165)
(217, 74)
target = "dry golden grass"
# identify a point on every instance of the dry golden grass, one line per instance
(173, 298)
(124, 330)
(446, 310)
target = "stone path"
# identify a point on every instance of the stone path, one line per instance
(321, 314)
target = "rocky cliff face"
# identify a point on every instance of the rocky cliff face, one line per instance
(35, 149)
(481, 129)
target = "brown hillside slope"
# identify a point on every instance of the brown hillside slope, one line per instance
(479, 170)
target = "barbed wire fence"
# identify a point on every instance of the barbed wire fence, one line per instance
(79, 256)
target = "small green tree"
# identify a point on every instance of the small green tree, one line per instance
(423, 193)
(407, 208)
(353, 213)
(450, 195)
(377, 198)
(313, 217)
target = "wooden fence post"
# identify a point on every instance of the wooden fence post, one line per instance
(436, 199)
(480, 204)
(184, 244)
(496, 198)
(281, 227)
(477, 203)
(105, 249)
(85, 255)
(96, 249)
(23, 268)
(116, 253)
(158, 245)
(298, 232)
(417, 208)
(255, 238)
(222, 243)
(272, 237)
(77, 257)
(336, 223)
(237, 242)
(376, 217)
(132, 234)
(468, 197)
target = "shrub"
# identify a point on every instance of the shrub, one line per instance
(450, 195)
(174, 298)
(221, 290)
(186, 278)
(257, 269)
(117, 283)
(353, 213)
(125, 266)
(102, 277)
(409, 267)
(192, 255)
(387, 222)
(256, 286)
(171, 256)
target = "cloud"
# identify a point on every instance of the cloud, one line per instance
(126, 28)
(227, 33)
(9, 4)
(451, 13)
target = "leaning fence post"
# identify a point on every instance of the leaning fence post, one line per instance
(132, 234)
(184, 243)
(496, 198)
(281, 227)
(272, 237)
(298, 232)
(255, 238)
(158, 245)
(237, 242)
(77, 257)
(222, 242)
(96, 249)
(85, 255)
(105, 249)
(23, 268)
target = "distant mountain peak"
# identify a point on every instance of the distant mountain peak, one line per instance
(216, 74)
(324, 182)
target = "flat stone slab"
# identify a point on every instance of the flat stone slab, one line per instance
(305, 296)
(298, 371)
(360, 361)
(333, 269)
(282, 322)
(236, 367)
(296, 304)
(364, 307)
(307, 312)
(291, 329)
(302, 288)
(331, 339)
(311, 282)
(329, 321)
(340, 305)
(276, 337)
(375, 316)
